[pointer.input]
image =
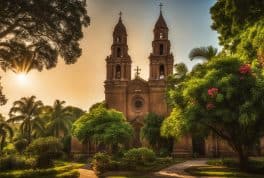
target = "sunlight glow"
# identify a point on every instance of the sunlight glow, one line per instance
(22, 79)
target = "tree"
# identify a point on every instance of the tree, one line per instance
(60, 119)
(33, 34)
(151, 132)
(5, 132)
(103, 126)
(206, 53)
(230, 17)
(227, 97)
(45, 149)
(27, 111)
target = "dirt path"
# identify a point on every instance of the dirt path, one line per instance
(85, 172)
(177, 170)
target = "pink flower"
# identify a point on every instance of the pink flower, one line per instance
(212, 91)
(210, 106)
(245, 69)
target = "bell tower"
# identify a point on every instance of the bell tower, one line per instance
(118, 69)
(161, 59)
(161, 66)
(119, 62)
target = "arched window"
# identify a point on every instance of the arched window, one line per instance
(161, 35)
(118, 52)
(118, 72)
(118, 39)
(161, 49)
(161, 71)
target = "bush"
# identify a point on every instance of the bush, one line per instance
(45, 149)
(101, 162)
(139, 156)
(9, 149)
(16, 162)
(21, 145)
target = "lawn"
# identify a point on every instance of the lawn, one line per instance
(228, 167)
(143, 171)
(60, 170)
(220, 172)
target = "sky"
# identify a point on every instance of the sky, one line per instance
(82, 84)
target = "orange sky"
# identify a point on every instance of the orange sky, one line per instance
(81, 84)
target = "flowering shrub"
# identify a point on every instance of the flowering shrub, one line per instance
(212, 92)
(245, 69)
(210, 106)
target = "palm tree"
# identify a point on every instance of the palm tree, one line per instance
(5, 132)
(181, 71)
(60, 119)
(206, 53)
(27, 112)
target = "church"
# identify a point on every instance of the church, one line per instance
(136, 97)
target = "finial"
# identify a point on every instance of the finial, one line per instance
(161, 7)
(137, 70)
(120, 15)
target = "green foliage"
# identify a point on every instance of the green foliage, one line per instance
(62, 171)
(101, 162)
(45, 149)
(21, 145)
(103, 126)
(251, 44)
(27, 111)
(151, 132)
(34, 34)
(230, 17)
(206, 53)
(255, 165)
(60, 119)
(6, 131)
(139, 156)
(12, 162)
(98, 105)
(151, 129)
(174, 125)
(234, 112)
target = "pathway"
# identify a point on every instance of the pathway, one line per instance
(177, 170)
(85, 172)
(174, 171)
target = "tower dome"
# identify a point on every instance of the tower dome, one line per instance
(120, 27)
(161, 22)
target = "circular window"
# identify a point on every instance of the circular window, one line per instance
(138, 103)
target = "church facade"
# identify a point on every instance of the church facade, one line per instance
(136, 97)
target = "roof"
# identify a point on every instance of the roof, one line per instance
(161, 22)
(120, 27)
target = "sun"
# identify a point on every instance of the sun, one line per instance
(22, 79)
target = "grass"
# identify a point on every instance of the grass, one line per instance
(229, 167)
(141, 171)
(220, 172)
(61, 170)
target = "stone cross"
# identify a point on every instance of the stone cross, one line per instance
(137, 70)
(161, 6)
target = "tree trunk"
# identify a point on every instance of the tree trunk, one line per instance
(2, 145)
(243, 161)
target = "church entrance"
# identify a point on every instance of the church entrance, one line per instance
(198, 144)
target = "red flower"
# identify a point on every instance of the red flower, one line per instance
(245, 69)
(212, 91)
(210, 106)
